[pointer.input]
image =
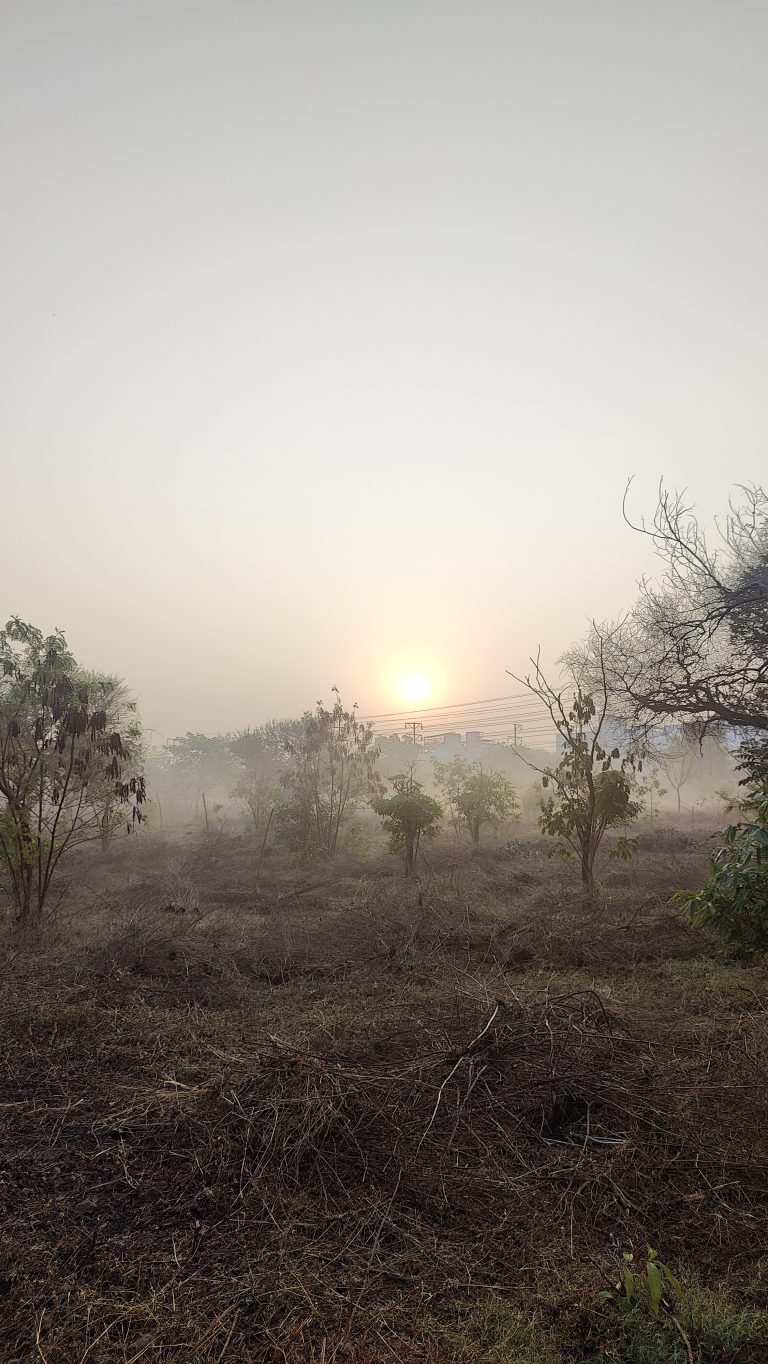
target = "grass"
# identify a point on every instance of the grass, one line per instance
(712, 1326)
(335, 1117)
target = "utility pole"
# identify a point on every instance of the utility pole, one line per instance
(517, 727)
(413, 725)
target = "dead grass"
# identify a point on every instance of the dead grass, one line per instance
(302, 1119)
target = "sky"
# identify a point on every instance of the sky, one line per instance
(330, 333)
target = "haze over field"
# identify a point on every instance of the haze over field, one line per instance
(331, 333)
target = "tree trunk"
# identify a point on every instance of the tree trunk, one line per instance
(587, 863)
(25, 892)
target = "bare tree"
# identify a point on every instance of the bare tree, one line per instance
(695, 647)
(677, 760)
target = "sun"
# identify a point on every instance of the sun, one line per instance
(413, 686)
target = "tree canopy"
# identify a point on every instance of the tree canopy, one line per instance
(70, 745)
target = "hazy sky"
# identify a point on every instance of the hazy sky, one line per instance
(331, 331)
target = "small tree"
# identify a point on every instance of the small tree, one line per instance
(450, 779)
(651, 787)
(333, 763)
(69, 747)
(476, 798)
(111, 695)
(195, 769)
(734, 902)
(408, 816)
(260, 796)
(587, 794)
(677, 761)
(264, 749)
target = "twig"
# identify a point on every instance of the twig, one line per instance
(452, 1072)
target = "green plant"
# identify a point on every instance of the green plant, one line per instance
(408, 816)
(260, 796)
(660, 1321)
(70, 744)
(734, 902)
(332, 763)
(588, 794)
(194, 769)
(474, 797)
(643, 1289)
(649, 789)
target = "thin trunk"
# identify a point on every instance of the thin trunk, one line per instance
(264, 842)
(205, 812)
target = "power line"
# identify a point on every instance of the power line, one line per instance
(457, 705)
(468, 719)
(445, 722)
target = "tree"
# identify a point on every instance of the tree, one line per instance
(676, 760)
(734, 902)
(69, 749)
(110, 693)
(695, 646)
(587, 794)
(265, 748)
(408, 816)
(333, 763)
(475, 797)
(196, 767)
(262, 798)
(450, 778)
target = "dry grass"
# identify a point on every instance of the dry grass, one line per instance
(300, 1120)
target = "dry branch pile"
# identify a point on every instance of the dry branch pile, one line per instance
(176, 1191)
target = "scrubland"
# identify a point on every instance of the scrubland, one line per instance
(340, 1116)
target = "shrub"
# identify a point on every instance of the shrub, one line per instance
(734, 902)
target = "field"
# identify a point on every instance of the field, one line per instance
(335, 1116)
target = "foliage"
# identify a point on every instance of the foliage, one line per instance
(692, 1321)
(408, 816)
(194, 767)
(644, 1289)
(734, 902)
(661, 1320)
(332, 764)
(265, 748)
(70, 743)
(648, 789)
(475, 798)
(753, 761)
(590, 796)
(261, 796)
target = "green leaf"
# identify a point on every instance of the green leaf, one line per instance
(655, 1286)
(673, 1282)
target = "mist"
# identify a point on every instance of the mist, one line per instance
(335, 335)
(383, 682)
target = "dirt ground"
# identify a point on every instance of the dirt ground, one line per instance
(337, 1116)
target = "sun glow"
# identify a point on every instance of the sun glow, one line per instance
(413, 687)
